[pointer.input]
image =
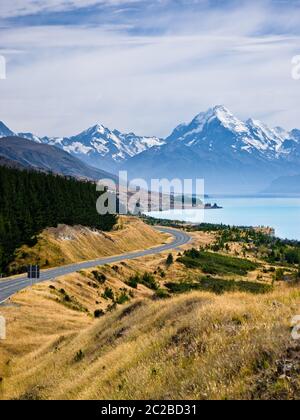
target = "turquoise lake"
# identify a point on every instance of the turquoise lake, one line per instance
(281, 213)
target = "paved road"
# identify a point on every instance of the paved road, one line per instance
(9, 287)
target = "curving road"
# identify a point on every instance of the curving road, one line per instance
(9, 287)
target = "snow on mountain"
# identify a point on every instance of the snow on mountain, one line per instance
(198, 124)
(5, 131)
(218, 127)
(215, 145)
(97, 146)
(264, 138)
(30, 136)
(222, 149)
(228, 120)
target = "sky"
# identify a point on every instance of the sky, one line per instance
(145, 66)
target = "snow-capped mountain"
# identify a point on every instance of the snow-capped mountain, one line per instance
(99, 146)
(230, 154)
(219, 128)
(4, 130)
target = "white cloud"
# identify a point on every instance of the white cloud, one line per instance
(62, 79)
(13, 8)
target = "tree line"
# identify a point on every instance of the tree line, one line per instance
(31, 201)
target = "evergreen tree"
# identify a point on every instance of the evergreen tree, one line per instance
(31, 201)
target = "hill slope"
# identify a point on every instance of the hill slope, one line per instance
(47, 158)
(66, 244)
(196, 346)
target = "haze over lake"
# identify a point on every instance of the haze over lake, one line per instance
(281, 213)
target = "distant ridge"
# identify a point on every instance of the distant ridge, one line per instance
(284, 185)
(97, 146)
(27, 154)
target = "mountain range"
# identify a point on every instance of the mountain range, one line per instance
(232, 156)
(99, 146)
(20, 153)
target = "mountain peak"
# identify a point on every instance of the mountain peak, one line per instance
(221, 109)
(224, 116)
(96, 129)
(5, 131)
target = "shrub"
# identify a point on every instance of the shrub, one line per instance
(108, 293)
(112, 307)
(67, 298)
(93, 285)
(170, 260)
(212, 263)
(161, 294)
(133, 281)
(148, 280)
(99, 277)
(98, 313)
(79, 356)
(279, 274)
(122, 298)
(219, 286)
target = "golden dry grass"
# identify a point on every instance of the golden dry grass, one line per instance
(66, 245)
(194, 346)
(190, 347)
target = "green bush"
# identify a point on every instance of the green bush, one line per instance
(148, 280)
(170, 260)
(161, 294)
(219, 286)
(122, 298)
(216, 264)
(79, 356)
(133, 281)
(99, 277)
(98, 313)
(279, 274)
(108, 294)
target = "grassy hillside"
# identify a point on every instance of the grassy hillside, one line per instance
(66, 244)
(198, 346)
(155, 328)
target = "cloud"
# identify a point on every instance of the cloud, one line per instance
(13, 8)
(148, 70)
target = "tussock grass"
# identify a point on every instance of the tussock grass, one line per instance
(66, 245)
(197, 345)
